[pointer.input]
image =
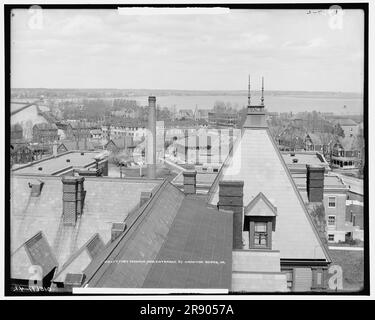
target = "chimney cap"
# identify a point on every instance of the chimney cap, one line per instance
(189, 173)
(238, 183)
(315, 167)
(72, 179)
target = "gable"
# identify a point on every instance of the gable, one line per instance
(260, 206)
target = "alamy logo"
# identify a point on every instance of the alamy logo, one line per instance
(335, 281)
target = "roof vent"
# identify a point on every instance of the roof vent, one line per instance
(67, 160)
(117, 229)
(295, 160)
(292, 154)
(40, 168)
(82, 153)
(36, 187)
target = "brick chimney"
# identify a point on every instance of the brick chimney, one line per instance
(190, 182)
(231, 199)
(73, 198)
(151, 138)
(315, 183)
(80, 194)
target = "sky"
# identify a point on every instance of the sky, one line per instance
(293, 49)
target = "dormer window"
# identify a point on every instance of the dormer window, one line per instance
(260, 221)
(260, 238)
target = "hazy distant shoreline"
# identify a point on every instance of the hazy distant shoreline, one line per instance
(171, 92)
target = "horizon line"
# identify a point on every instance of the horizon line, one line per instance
(187, 90)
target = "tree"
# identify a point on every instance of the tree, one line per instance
(338, 131)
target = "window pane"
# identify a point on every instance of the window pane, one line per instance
(260, 226)
(263, 240)
(319, 278)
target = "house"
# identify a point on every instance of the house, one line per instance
(350, 127)
(81, 144)
(135, 129)
(269, 253)
(120, 144)
(185, 114)
(45, 133)
(65, 129)
(345, 153)
(314, 143)
(80, 129)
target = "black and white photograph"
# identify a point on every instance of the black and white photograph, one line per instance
(204, 149)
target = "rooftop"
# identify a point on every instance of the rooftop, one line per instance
(304, 158)
(330, 181)
(185, 243)
(17, 106)
(107, 201)
(54, 165)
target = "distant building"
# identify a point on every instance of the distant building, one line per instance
(45, 133)
(345, 153)
(314, 143)
(66, 163)
(350, 127)
(223, 119)
(186, 114)
(201, 114)
(81, 129)
(297, 160)
(135, 129)
(67, 130)
(26, 115)
(16, 133)
(96, 134)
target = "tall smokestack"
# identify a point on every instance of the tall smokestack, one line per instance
(151, 138)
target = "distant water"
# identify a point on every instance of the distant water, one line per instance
(279, 103)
